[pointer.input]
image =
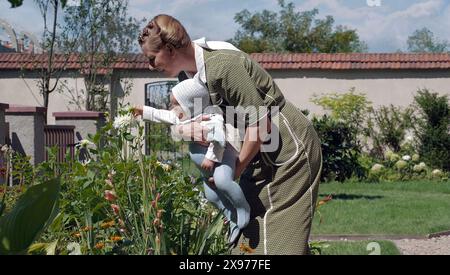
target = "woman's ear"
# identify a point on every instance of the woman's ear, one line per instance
(171, 49)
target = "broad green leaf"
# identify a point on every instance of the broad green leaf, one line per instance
(33, 212)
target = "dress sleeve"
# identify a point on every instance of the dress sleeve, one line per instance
(159, 115)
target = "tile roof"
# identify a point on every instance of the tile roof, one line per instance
(271, 61)
(350, 61)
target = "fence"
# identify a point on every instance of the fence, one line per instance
(61, 136)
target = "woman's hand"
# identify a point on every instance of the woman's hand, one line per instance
(194, 131)
(208, 164)
(249, 149)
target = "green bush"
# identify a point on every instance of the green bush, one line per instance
(350, 108)
(387, 127)
(340, 149)
(432, 128)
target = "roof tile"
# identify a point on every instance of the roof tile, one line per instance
(339, 61)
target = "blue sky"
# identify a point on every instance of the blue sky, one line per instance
(385, 28)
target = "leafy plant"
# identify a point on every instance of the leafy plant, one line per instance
(119, 201)
(350, 108)
(387, 127)
(432, 128)
(340, 151)
(33, 212)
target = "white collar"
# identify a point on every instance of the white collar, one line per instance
(200, 61)
(201, 43)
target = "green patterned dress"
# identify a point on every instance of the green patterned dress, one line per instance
(281, 186)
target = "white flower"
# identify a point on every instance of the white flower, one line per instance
(5, 148)
(436, 173)
(203, 203)
(406, 158)
(124, 121)
(85, 162)
(409, 138)
(84, 143)
(127, 109)
(415, 157)
(377, 167)
(419, 167)
(74, 248)
(401, 164)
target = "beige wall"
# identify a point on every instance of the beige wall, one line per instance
(382, 87)
(23, 90)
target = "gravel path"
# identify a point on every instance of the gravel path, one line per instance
(435, 246)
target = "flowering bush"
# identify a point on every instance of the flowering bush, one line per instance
(395, 167)
(119, 201)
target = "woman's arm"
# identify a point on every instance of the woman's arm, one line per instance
(254, 136)
(194, 131)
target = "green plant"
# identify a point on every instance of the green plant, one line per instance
(432, 128)
(119, 201)
(387, 127)
(32, 213)
(350, 108)
(340, 149)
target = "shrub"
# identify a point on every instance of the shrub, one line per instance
(350, 108)
(340, 150)
(432, 128)
(387, 127)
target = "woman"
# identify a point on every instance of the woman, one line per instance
(281, 185)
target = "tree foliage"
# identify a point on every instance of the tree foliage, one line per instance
(424, 41)
(99, 31)
(292, 31)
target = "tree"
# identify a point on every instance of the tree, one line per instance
(423, 41)
(291, 31)
(48, 69)
(103, 31)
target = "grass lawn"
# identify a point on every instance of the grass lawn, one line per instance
(361, 248)
(394, 208)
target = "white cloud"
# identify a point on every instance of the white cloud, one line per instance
(392, 30)
(384, 28)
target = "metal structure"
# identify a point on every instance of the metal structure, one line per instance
(17, 41)
(158, 137)
(61, 136)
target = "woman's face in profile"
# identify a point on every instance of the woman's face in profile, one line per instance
(163, 60)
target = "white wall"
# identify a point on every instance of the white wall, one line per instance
(382, 87)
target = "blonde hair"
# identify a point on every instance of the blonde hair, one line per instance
(162, 30)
